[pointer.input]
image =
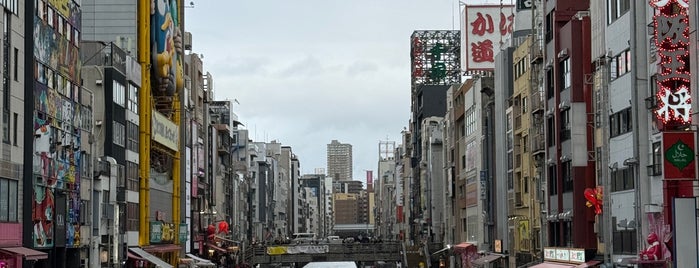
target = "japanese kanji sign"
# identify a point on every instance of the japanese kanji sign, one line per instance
(672, 40)
(486, 26)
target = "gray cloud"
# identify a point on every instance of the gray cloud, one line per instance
(307, 72)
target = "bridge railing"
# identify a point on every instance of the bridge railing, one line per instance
(386, 251)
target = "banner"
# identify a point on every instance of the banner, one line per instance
(678, 150)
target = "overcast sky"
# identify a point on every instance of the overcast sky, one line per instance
(309, 71)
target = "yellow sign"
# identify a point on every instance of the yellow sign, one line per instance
(276, 250)
(164, 131)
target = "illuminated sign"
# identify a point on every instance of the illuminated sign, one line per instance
(164, 131)
(672, 40)
(486, 27)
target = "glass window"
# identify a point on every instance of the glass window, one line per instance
(4, 199)
(566, 81)
(119, 134)
(119, 92)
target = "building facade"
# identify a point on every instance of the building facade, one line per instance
(339, 160)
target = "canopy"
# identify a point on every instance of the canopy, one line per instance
(150, 258)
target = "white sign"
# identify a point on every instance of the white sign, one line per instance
(570, 255)
(485, 27)
(164, 131)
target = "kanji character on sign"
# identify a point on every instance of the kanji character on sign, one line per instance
(481, 26)
(506, 23)
(482, 51)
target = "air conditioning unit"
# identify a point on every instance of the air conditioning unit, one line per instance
(564, 105)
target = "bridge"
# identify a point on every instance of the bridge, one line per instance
(389, 252)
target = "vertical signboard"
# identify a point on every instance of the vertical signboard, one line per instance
(486, 27)
(188, 201)
(679, 161)
(435, 58)
(671, 25)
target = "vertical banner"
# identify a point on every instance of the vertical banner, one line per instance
(370, 180)
(679, 161)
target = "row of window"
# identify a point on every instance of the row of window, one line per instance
(521, 66)
(54, 19)
(620, 123)
(8, 200)
(620, 64)
(616, 8)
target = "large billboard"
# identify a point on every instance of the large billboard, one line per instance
(486, 28)
(435, 58)
(166, 47)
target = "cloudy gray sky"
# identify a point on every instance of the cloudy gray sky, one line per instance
(309, 71)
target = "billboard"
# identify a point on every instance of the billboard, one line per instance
(485, 28)
(679, 161)
(435, 58)
(166, 48)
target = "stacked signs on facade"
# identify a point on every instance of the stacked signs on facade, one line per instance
(486, 27)
(672, 40)
(435, 58)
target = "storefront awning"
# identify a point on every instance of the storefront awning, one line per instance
(201, 262)
(552, 265)
(162, 248)
(150, 258)
(485, 259)
(28, 253)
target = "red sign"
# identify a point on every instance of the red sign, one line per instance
(679, 161)
(486, 27)
(672, 40)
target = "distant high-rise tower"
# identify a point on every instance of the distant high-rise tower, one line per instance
(340, 161)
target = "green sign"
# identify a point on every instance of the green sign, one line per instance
(156, 232)
(679, 155)
(183, 233)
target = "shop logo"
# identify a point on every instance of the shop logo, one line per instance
(679, 155)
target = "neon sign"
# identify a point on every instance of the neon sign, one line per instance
(672, 40)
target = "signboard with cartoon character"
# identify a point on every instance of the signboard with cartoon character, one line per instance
(166, 45)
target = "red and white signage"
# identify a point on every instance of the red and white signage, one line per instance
(672, 41)
(485, 27)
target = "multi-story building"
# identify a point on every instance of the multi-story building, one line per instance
(346, 208)
(527, 150)
(114, 78)
(52, 131)
(339, 160)
(162, 125)
(317, 198)
(16, 190)
(385, 218)
(569, 168)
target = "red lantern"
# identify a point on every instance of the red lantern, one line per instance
(223, 227)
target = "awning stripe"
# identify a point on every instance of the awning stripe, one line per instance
(150, 258)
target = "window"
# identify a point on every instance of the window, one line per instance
(132, 136)
(8, 200)
(553, 181)
(14, 137)
(549, 83)
(525, 185)
(86, 118)
(565, 124)
(564, 69)
(524, 105)
(132, 216)
(471, 120)
(549, 26)
(622, 179)
(620, 123)
(567, 173)
(119, 92)
(655, 168)
(132, 176)
(16, 63)
(615, 9)
(133, 98)
(86, 165)
(550, 134)
(119, 134)
(525, 143)
(621, 64)
(623, 237)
